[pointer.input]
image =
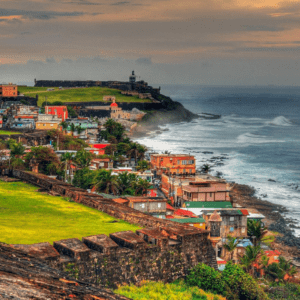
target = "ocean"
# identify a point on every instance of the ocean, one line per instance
(255, 141)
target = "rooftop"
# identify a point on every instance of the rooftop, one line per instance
(208, 204)
(189, 220)
(224, 212)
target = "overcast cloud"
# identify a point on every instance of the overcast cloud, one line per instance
(165, 41)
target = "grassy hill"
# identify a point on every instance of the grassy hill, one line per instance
(28, 217)
(77, 94)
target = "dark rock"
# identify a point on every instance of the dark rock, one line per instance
(272, 180)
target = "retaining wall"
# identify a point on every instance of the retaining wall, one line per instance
(163, 250)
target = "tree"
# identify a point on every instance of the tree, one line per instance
(126, 183)
(205, 168)
(79, 129)
(142, 187)
(105, 182)
(83, 178)
(230, 245)
(83, 158)
(64, 125)
(255, 229)
(17, 150)
(44, 156)
(143, 165)
(18, 164)
(72, 128)
(67, 158)
(114, 128)
(252, 256)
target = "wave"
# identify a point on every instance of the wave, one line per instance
(252, 138)
(280, 121)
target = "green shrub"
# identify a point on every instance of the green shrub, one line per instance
(241, 285)
(206, 278)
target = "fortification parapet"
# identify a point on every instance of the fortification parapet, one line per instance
(163, 250)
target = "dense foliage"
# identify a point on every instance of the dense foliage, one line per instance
(233, 282)
(166, 291)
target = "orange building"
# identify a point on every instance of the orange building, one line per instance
(59, 111)
(8, 90)
(46, 125)
(174, 164)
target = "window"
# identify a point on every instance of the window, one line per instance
(210, 194)
(183, 170)
(231, 219)
(243, 230)
(51, 125)
(143, 205)
(159, 205)
(191, 162)
(183, 162)
(231, 229)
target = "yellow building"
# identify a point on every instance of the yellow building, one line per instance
(46, 125)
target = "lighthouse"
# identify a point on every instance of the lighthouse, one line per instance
(132, 78)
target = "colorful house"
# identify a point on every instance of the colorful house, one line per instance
(8, 90)
(175, 164)
(60, 111)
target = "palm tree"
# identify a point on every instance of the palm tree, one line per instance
(127, 183)
(230, 245)
(83, 158)
(64, 125)
(79, 129)
(141, 151)
(256, 230)
(72, 128)
(68, 159)
(104, 181)
(287, 267)
(251, 257)
(142, 187)
(205, 168)
(17, 150)
(143, 165)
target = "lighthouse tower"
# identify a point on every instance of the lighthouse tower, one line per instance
(132, 78)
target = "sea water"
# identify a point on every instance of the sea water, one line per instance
(257, 137)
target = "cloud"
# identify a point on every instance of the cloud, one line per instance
(121, 3)
(40, 15)
(144, 61)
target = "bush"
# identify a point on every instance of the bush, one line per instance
(241, 285)
(206, 278)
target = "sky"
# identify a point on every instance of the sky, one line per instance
(228, 42)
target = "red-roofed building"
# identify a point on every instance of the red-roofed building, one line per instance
(121, 201)
(99, 148)
(59, 111)
(184, 213)
(170, 210)
(101, 163)
(244, 212)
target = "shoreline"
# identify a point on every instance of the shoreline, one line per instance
(286, 242)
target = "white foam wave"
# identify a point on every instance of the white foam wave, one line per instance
(280, 121)
(251, 138)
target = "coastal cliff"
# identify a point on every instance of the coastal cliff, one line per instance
(172, 112)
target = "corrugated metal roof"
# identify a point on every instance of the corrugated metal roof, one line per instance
(189, 220)
(208, 204)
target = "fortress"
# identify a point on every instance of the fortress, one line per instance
(162, 250)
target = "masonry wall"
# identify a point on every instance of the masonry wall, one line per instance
(163, 250)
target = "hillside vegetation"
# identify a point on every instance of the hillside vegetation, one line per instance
(88, 94)
(28, 217)
(166, 291)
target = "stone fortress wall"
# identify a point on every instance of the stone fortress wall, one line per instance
(162, 250)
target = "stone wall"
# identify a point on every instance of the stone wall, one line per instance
(163, 250)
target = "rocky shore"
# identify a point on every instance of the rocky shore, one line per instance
(286, 242)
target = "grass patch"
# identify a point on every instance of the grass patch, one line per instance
(165, 291)
(78, 94)
(28, 217)
(4, 132)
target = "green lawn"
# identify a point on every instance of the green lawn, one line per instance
(8, 132)
(28, 217)
(78, 94)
